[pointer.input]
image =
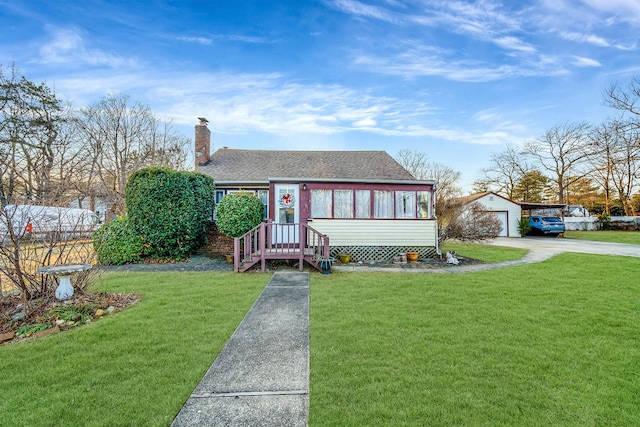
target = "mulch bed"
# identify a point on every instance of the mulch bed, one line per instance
(50, 313)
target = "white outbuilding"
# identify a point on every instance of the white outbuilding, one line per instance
(507, 211)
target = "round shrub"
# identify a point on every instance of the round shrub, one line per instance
(116, 243)
(238, 213)
(169, 210)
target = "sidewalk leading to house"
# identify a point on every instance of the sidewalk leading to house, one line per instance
(261, 376)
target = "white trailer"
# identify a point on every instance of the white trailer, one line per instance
(29, 220)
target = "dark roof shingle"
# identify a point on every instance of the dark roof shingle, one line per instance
(258, 165)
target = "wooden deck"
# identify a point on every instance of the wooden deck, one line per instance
(270, 240)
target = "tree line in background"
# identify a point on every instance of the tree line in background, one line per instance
(577, 163)
(53, 154)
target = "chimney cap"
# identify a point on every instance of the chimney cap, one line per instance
(203, 121)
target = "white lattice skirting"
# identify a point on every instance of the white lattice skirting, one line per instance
(381, 253)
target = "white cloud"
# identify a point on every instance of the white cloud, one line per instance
(199, 40)
(627, 10)
(269, 103)
(365, 123)
(363, 10)
(68, 47)
(581, 61)
(513, 43)
(416, 65)
(585, 38)
(227, 37)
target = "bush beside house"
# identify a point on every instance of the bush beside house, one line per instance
(116, 243)
(169, 212)
(238, 213)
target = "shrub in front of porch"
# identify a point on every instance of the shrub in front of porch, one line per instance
(238, 213)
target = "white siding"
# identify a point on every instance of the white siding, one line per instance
(371, 232)
(513, 212)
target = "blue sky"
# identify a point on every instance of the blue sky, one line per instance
(455, 79)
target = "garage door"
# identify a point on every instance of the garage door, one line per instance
(502, 216)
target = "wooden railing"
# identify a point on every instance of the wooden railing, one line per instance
(271, 240)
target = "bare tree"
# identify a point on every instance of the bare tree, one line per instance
(627, 166)
(448, 183)
(617, 164)
(467, 222)
(506, 170)
(447, 179)
(123, 137)
(562, 151)
(415, 162)
(603, 139)
(624, 98)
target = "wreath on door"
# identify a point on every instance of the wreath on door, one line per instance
(287, 200)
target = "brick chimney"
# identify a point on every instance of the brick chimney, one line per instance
(203, 142)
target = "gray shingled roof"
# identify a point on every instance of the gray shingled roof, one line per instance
(258, 165)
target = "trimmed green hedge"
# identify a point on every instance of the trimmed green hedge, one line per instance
(116, 243)
(169, 210)
(238, 213)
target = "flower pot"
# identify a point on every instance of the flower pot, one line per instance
(345, 258)
(412, 256)
(229, 259)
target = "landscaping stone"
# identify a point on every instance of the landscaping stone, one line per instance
(8, 336)
(100, 312)
(46, 332)
(111, 309)
(18, 316)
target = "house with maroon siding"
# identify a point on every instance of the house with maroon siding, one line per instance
(365, 202)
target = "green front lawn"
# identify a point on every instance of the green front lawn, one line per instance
(483, 252)
(632, 237)
(555, 343)
(134, 368)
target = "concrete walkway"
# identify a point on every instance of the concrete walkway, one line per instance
(261, 376)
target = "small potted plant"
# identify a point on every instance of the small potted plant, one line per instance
(344, 258)
(412, 256)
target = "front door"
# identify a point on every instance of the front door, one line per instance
(287, 212)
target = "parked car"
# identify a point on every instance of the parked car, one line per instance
(550, 225)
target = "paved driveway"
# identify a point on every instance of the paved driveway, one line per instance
(557, 245)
